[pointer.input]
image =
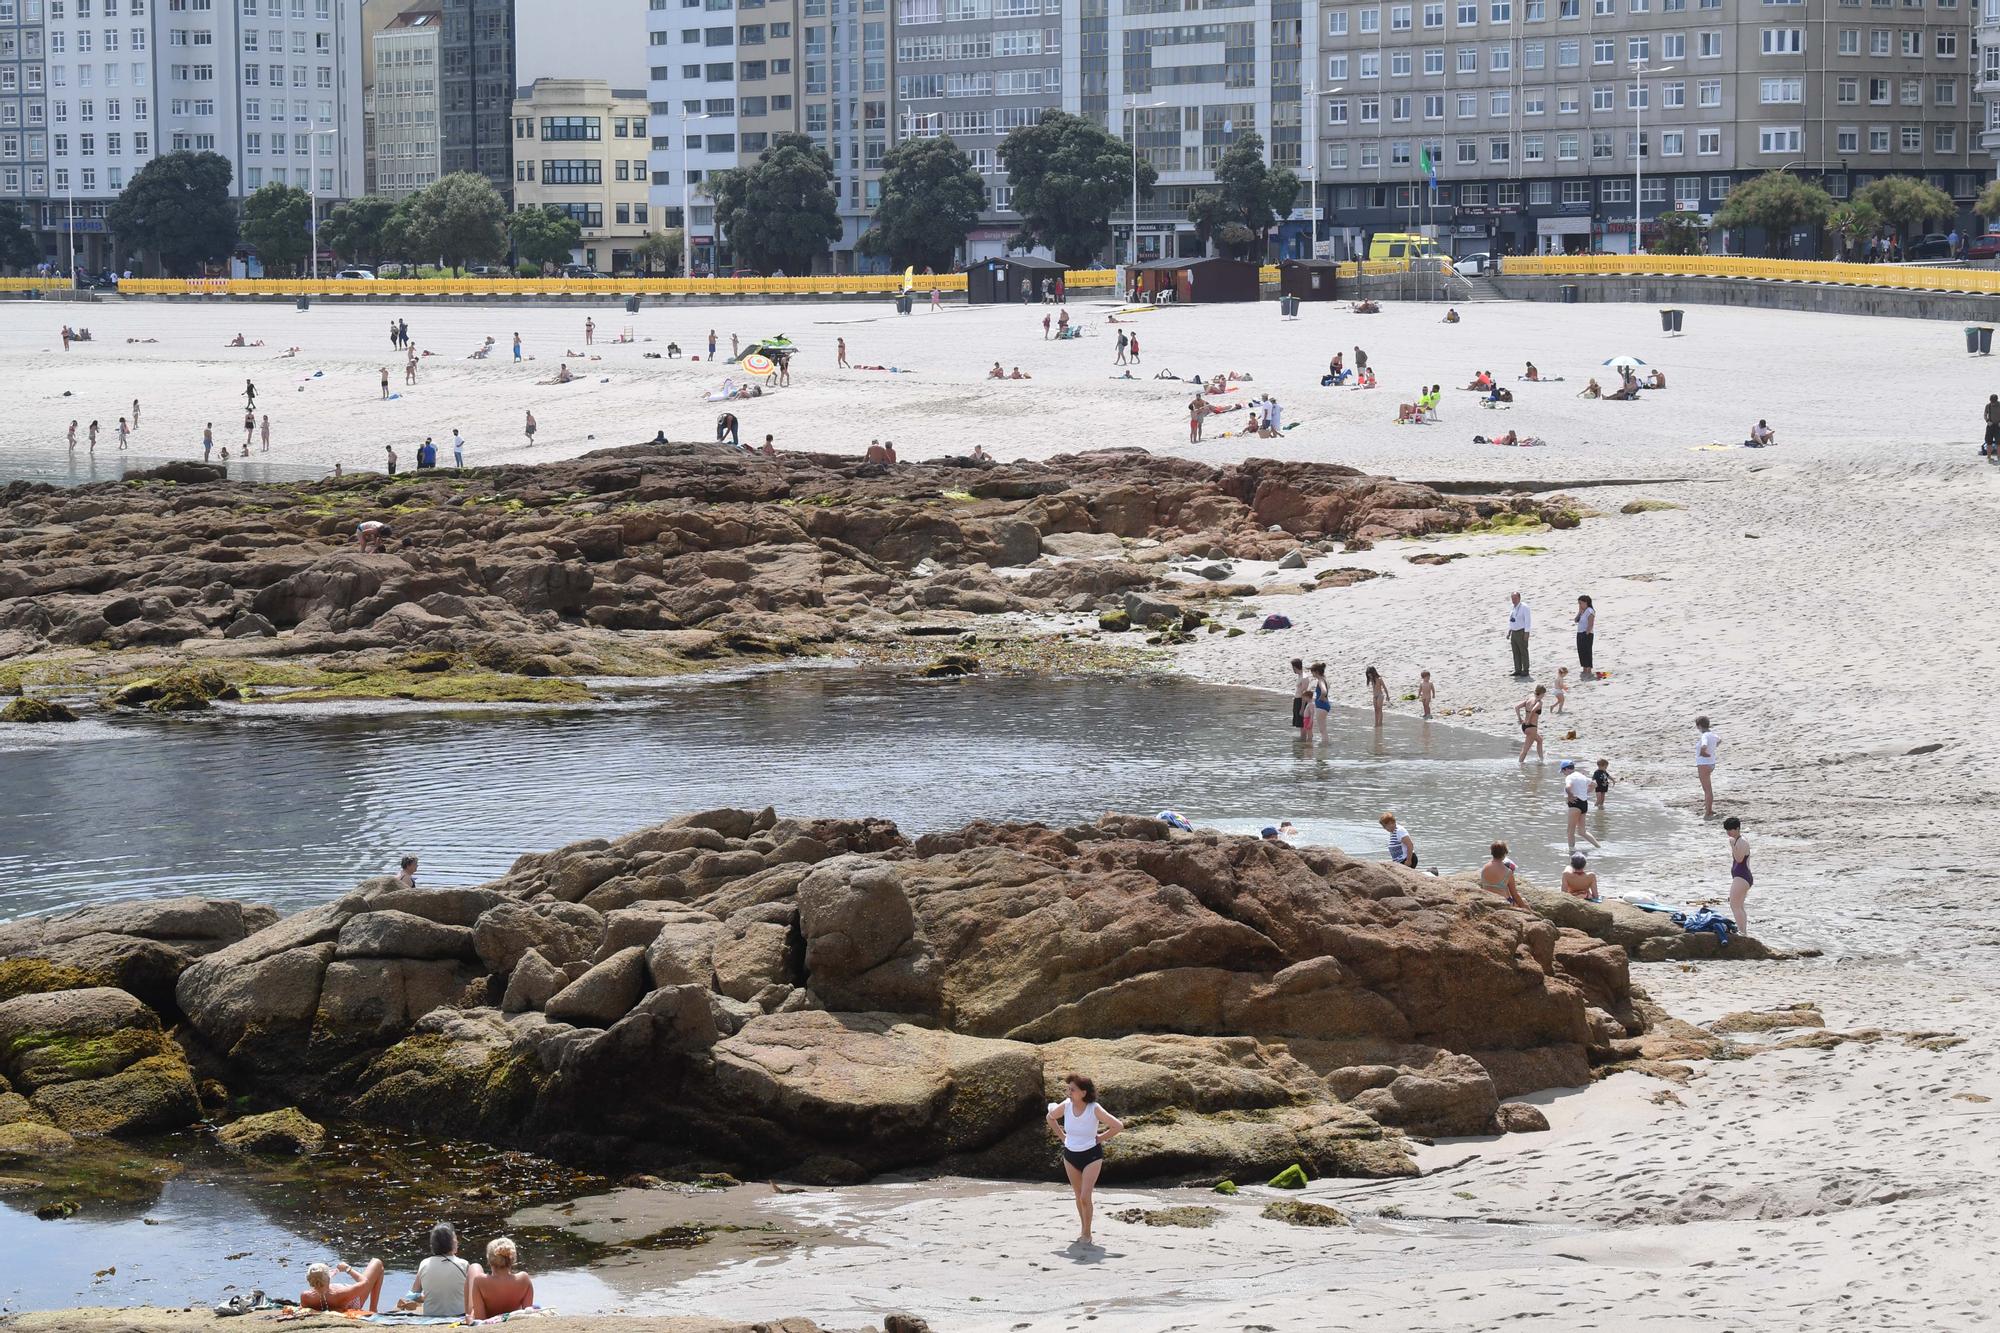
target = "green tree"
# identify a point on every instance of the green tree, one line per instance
(1068, 176)
(1905, 203)
(277, 221)
(1853, 222)
(178, 209)
(544, 235)
(781, 210)
(353, 230)
(1777, 202)
(1209, 214)
(17, 244)
(1256, 196)
(402, 235)
(458, 220)
(659, 252)
(1988, 206)
(1680, 234)
(931, 198)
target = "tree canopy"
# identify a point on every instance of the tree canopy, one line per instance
(1988, 206)
(277, 220)
(353, 230)
(1068, 176)
(544, 235)
(1853, 222)
(1906, 203)
(177, 208)
(1777, 202)
(1253, 194)
(457, 219)
(660, 251)
(17, 244)
(931, 199)
(1680, 233)
(781, 210)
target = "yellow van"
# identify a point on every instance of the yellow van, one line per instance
(1402, 245)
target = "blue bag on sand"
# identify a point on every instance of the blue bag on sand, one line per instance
(1705, 919)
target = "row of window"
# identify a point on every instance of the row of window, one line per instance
(912, 12)
(1466, 13)
(979, 46)
(1371, 108)
(1772, 140)
(58, 11)
(578, 170)
(983, 83)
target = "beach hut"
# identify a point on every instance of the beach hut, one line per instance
(1198, 281)
(1307, 279)
(1011, 280)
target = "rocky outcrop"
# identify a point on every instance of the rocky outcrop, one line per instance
(141, 947)
(285, 1132)
(95, 1062)
(535, 570)
(1646, 937)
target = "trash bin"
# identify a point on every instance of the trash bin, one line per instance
(1972, 340)
(1288, 307)
(305, 303)
(1569, 293)
(1670, 320)
(1985, 332)
(632, 305)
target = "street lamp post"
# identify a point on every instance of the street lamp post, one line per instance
(1312, 145)
(687, 211)
(1134, 108)
(1639, 146)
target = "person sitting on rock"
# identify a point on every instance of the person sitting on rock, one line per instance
(406, 872)
(499, 1288)
(1497, 876)
(1578, 882)
(875, 452)
(362, 1293)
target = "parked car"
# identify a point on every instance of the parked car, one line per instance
(1473, 265)
(489, 271)
(745, 273)
(580, 271)
(1934, 246)
(361, 274)
(1983, 247)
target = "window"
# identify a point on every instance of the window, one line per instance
(1576, 192)
(1913, 92)
(1566, 102)
(1371, 154)
(1501, 58)
(1850, 41)
(1946, 139)
(1534, 55)
(1779, 138)
(1878, 41)
(1673, 46)
(1468, 105)
(1878, 92)
(1569, 9)
(1673, 95)
(1336, 69)
(1566, 148)
(1912, 138)
(1371, 110)
(1371, 66)
(1947, 45)
(1601, 99)
(1636, 97)
(1638, 50)
(1708, 92)
(1399, 108)
(1944, 92)
(1468, 60)
(1847, 139)
(1336, 23)
(1913, 42)
(1434, 14)
(1531, 148)
(572, 171)
(1774, 91)
(1399, 153)
(1434, 61)
(1336, 111)
(1718, 187)
(1433, 106)
(1653, 190)
(1468, 13)
(1878, 140)
(1568, 53)
(1616, 190)
(572, 128)
(1535, 102)
(1371, 20)
(1541, 193)
(1673, 143)
(1501, 105)
(1399, 18)
(1501, 11)
(1472, 196)
(1468, 151)
(1603, 51)
(1399, 64)
(1708, 45)
(1635, 145)
(1600, 145)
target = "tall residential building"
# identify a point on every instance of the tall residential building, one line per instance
(476, 89)
(273, 86)
(407, 144)
(1540, 113)
(1987, 46)
(24, 138)
(844, 99)
(580, 146)
(724, 81)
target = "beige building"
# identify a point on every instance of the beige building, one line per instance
(581, 146)
(403, 102)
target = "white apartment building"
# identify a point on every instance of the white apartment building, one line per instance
(408, 142)
(273, 86)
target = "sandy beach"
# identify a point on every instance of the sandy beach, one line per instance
(1821, 601)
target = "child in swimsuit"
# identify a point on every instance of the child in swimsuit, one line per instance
(1602, 780)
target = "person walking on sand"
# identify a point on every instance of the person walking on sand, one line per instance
(531, 427)
(1990, 450)
(1601, 781)
(1740, 879)
(1497, 876)
(589, 331)
(1132, 352)
(403, 332)
(1047, 319)
(1378, 692)
(1529, 713)
(735, 347)
(1562, 689)
(395, 338)
(457, 448)
(385, 384)
(1119, 358)
(1322, 703)
(1084, 1128)
(390, 450)
(249, 393)
(1706, 751)
(249, 430)
(363, 1292)
(517, 349)
(410, 369)
(1576, 796)
(1301, 697)
(1586, 635)
(711, 344)
(840, 354)
(135, 414)
(207, 439)
(93, 438)
(1402, 847)
(72, 434)
(1426, 692)
(123, 432)
(1197, 414)
(264, 432)
(1520, 623)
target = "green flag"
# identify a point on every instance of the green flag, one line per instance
(1430, 167)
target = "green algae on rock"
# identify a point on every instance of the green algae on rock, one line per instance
(1299, 1213)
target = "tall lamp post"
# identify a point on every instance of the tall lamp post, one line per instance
(1133, 109)
(1312, 95)
(687, 212)
(1639, 146)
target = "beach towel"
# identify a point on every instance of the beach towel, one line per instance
(1705, 919)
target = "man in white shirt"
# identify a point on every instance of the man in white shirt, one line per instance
(1519, 623)
(1576, 795)
(457, 448)
(1705, 753)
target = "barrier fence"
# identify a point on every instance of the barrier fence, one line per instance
(1909, 277)
(34, 284)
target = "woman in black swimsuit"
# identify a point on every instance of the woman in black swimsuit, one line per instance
(1529, 711)
(1084, 1128)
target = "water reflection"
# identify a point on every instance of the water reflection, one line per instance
(290, 807)
(60, 466)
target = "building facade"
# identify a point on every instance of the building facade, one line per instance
(1552, 123)
(580, 146)
(476, 90)
(24, 135)
(406, 145)
(1987, 38)
(273, 86)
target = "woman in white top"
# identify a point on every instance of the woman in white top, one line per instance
(1084, 1128)
(439, 1289)
(1705, 752)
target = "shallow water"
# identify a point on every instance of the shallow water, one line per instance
(290, 807)
(57, 466)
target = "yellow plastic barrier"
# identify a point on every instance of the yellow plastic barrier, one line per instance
(33, 284)
(882, 284)
(1768, 270)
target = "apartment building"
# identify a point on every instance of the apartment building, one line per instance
(406, 136)
(24, 138)
(844, 101)
(1987, 51)
(580, 146)
(476, 90)
(273, 86)
(1552, 122)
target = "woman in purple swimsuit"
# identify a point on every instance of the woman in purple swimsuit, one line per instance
(1739, 872)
